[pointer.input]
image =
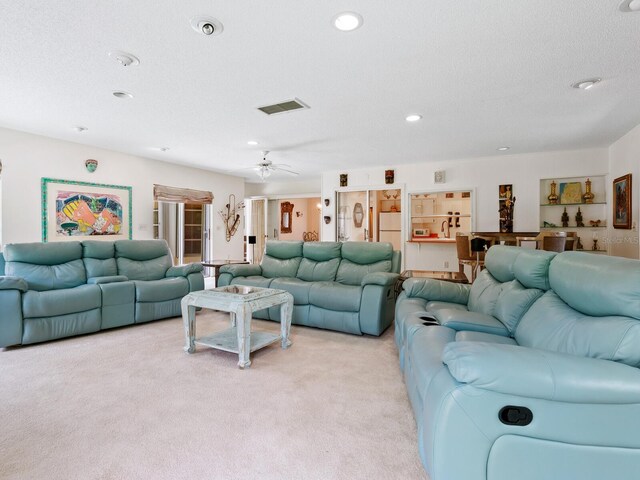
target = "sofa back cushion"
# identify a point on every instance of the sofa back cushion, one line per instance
(484, 293)
(513, 302)
(551, 324)
(281, 259)
(360, 258)
(99, 258)
(597, 285)
(320, 261)
(499, 262)
(143, 259)
(46, 266)
(531, 268)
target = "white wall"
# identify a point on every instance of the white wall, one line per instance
(483, 176)
(27, 158)
(294, 187)
(624, 157)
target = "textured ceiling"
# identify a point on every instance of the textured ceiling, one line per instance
(483, 73)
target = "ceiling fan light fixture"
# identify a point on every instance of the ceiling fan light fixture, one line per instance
(630, 6)
(347, 21)
(586, 84)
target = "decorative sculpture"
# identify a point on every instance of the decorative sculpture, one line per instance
(506, 213)
(565, 218)
(553, 196)
(230, 217)
(579, 222)
(588, 196)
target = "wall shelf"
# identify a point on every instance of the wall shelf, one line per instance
(597, 210)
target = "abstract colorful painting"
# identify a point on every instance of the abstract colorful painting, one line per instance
(80, 214)
(76, 210)
(622, 202)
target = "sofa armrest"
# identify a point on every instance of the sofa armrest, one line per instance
(241, 270)
(533, 373)
(108, 279)
(183, 270)
(379, 278)
(463, 320)
(13, 283)
(432, 289)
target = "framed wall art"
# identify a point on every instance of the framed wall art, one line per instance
(82, 210)
(622, 202)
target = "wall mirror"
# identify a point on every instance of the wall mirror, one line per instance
(358, 215)
(286, 210)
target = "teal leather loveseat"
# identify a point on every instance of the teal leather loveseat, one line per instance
(55, 290)
(348, 287)
(531, 373)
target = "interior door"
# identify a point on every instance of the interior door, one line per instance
(351, 226)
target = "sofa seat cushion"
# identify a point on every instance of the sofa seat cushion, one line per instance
(161, 290)
(52, 303)
(474, 321)
(252, 281)
(335, 296)
(435, 305)
(296, 287)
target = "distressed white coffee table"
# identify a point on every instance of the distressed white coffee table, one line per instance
(240, 301)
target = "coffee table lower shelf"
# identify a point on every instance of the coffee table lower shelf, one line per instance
(227, 340)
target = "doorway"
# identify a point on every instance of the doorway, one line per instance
(373, 215)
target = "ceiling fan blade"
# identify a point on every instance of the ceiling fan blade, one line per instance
(280, 165)
(288, 171)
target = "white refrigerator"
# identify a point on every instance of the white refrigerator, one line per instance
(390, 225)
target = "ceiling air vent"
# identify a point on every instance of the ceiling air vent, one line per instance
(283, 107)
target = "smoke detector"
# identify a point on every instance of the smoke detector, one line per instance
(123, 58)
(208, 26)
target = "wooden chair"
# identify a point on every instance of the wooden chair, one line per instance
(466, 256)
(552, 241)
(572, 241)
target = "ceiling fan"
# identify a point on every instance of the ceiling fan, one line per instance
(265, 167)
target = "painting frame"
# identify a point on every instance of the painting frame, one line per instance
(52, 188)
(622, 202)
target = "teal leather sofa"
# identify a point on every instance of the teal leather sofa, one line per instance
(348, 287)
(55, 290)
(531, 373)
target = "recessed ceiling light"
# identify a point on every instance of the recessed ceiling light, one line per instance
(207, 26)
(630, 6)
(252, 142)
(121, 94)
(587, 83)
(347, 21)
(503, 149)
(80, 129)
(123, 58)
(413, 118)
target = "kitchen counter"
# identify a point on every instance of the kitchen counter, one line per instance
(433, 240)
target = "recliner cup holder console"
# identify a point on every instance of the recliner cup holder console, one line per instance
(428, 320)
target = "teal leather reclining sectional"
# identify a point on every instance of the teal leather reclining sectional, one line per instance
(348, 287)
(530, 373)
(55, 290)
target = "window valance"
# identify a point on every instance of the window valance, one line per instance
(164, 193)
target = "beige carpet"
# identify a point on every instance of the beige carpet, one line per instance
(130, 404)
